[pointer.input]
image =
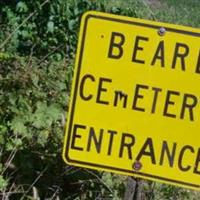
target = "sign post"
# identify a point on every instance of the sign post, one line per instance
(135, 103)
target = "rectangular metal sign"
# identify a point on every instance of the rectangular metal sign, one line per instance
(135, 102)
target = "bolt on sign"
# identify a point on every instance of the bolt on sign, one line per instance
(135, 103)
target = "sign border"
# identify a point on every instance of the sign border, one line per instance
(85, 19)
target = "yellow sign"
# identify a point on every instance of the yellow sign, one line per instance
(135, 103)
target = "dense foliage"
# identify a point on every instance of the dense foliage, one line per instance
(38, 41)
(37, 48)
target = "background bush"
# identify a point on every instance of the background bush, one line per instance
(37, 48)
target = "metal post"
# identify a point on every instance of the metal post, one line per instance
(134, 189)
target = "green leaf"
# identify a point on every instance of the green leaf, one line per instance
(39, 117)
(3, 183)
(21, 7)
(2, 140)
(71, 24)
(18, 142)
(50, 27)
(42, 137)
(35, 79)
(45, 115)
(25, 34)
(62, 86)
(107, 178)
(54, 112)
(3, 129)
(5, 56)
(17, 125)
(12, 99)
(58, 57)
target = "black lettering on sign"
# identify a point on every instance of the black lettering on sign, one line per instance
(112, 133)
(75, 136)
(114, 45)
(181, 156)
(97, 141)
(198, 64)
(147, 150)
(137, 48)
(181, 56)
(189, 106)
(102, 89)
(159, 55)
(82, 84)
(168, 102)
(197, 163)
(170, 154)
(156, 91)
(119, 95)
(128, 145)
(138, 96)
